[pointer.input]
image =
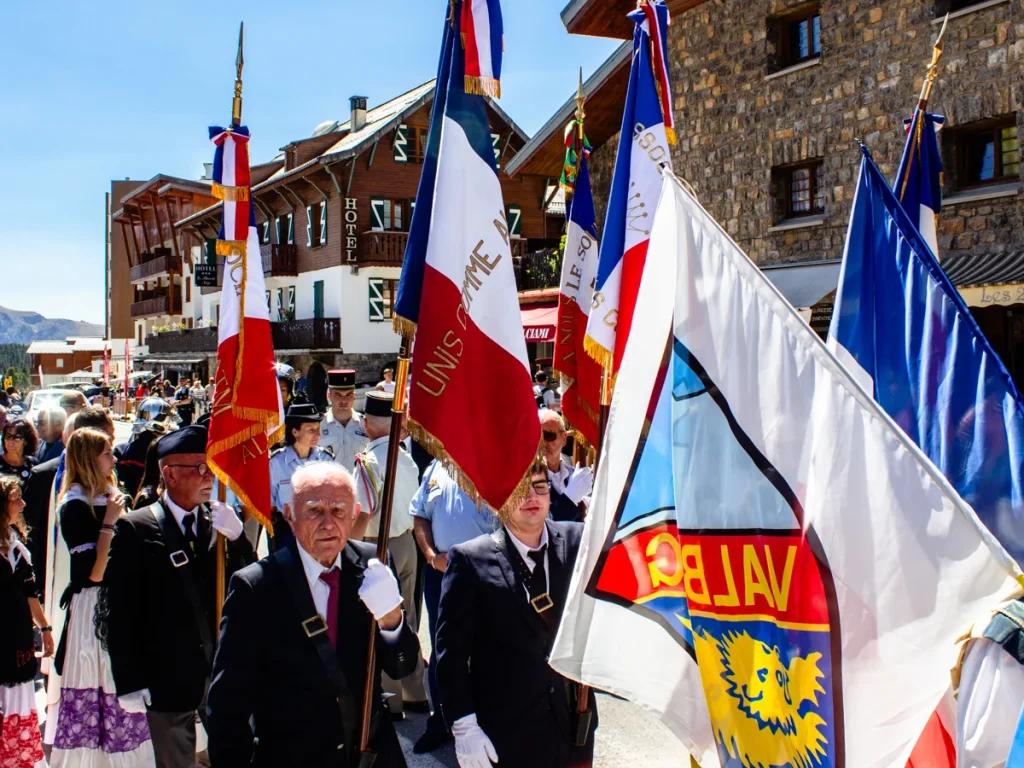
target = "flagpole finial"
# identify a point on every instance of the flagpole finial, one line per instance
(932, 72)
(236, 106)
(580, 99)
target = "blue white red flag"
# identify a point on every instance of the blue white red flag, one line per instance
(458, 288)
(918, 184)
(901, 327)
(480, 32)
(581, 374)
(643, 150)
(247, 415)
(762, 533)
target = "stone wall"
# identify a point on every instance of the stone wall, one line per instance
(734, 124)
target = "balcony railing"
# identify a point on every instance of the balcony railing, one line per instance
(387, 249)
(279, 260)
(150, 305)
(190, 340)
(542, 269)
(318, 333)
(160, 262)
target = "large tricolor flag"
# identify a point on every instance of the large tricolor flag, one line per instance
(768, 561)
(918, 184)
(471, 402)
(581, 373)
(246, 413)
(643, 150)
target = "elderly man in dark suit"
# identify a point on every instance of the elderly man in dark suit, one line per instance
(501, 600)
(291, 664)
(161, 588)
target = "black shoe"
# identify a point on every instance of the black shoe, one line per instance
(431, 740)
(422, 707)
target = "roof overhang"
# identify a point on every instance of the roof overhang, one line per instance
(605, 92)
(607, 18)
(162, 184)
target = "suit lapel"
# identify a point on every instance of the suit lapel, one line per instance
(502, 546)
(558, 570)
(173, 537)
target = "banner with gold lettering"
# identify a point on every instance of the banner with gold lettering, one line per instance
(769, 561)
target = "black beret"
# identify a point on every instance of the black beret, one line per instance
(379, 403)
(301, 412)
(187, 440)
(343, 378)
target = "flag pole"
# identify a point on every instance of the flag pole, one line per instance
(367, 756)
(222, 491)
(932, 72)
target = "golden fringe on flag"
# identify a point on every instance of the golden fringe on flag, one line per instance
(232, 194)
(231, 247)
(482, 86)
(403, 327)
(595, 350)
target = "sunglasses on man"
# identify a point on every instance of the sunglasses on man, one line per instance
(550, 437)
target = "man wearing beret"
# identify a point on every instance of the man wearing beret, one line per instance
(161, 596)
(342, 432)
(371, 465)
(302, 438)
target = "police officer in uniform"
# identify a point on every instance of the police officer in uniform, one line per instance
(301, 437)
(342, 431)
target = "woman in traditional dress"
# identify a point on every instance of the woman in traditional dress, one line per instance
(93, 730)
(20, 745)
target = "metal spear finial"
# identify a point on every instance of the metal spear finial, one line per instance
(236, 107)
(933, 67)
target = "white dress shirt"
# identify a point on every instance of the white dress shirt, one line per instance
(321, 591)
(524, 551)
(561, 477)
(179, 515)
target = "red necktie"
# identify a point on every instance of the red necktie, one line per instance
(330, 578)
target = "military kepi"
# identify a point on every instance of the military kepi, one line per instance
(341, 378)
(301, 412)
(379, 404)
(187, 440)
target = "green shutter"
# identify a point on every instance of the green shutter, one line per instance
(318, 299)
(376, 305)
(495, 141)
(309, 226)
(211, 252)
(515, 220)
(323, 223)
(401, 143)
(379, 214)
(291, 229)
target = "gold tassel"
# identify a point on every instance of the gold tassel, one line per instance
(403, 327)
(231, 247)
(598, 352)
(482, 86)
(233, 194)
(670, 134)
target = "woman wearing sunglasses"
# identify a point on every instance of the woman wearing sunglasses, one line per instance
(20, 444)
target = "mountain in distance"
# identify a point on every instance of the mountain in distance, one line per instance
(20, 327)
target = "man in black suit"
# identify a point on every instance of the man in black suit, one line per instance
(569, 485)
(501, 601)
(304, 615)
(161, 590)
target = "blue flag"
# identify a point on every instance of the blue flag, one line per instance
(900, 326)
(918, 184)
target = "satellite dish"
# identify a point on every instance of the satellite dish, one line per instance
(324, 128)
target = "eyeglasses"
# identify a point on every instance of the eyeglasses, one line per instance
(202, 468)
(550, 437)
(321, 511)
(541, 487)
(15, 437)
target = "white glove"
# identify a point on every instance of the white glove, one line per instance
(379, 590)
(225, 520)
(135, 703)
(581, 482)
(472, 747)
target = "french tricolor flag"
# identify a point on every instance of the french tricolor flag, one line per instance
(647, 131)
(471, 401)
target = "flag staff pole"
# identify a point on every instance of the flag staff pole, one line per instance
(367, 756)
(222, 491)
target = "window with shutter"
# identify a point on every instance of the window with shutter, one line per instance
(376, 305)
(291, 302)
(401, 144)
(318, 299)
(280, 305)
(309, 226)
(211, 252)
(323, 223)
(380, 214)
(291, 229)
(495, 141)
(515, 220)
(265, 232)
(268, 301)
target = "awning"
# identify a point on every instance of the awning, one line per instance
(539, 323)
(987, 279)
(174, 360)
(804, 285)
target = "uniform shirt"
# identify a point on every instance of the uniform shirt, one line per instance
(370, 487)
(283, 464)
(454, 517)
(345, 441)
(988, 705)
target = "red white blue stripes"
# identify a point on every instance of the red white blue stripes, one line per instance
(656, 27)
(231, 184)
(481, 34)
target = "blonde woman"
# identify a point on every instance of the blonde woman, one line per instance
(92, 728)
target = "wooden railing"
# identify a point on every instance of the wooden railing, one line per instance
(188, 340)
(160, 262)
(316, 333)
(383, 249)
(157, 305)
(279, 260)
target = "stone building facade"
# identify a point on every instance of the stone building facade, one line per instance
(744, 119)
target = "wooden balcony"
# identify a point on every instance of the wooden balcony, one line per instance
(317, 333)
(387, 249)
(534, 271)
(155, 303)
(279, 260)
(156, 264)
(190, 340)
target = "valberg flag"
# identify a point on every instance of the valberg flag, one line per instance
(581, 398)
(763, 533)
(643, 149)
(246, 414)
(471, 401)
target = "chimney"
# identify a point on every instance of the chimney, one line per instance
(207, 172)
(358, 104)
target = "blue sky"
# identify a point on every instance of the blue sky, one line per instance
(104, 90)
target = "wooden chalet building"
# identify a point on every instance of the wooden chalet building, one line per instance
(333, 213)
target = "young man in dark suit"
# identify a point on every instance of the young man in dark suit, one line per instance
(291, 665)
(501, 601)
(161, 588)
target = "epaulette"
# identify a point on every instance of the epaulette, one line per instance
(276, 451)
(328, 449)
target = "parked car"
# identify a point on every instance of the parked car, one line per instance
(45, 398)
